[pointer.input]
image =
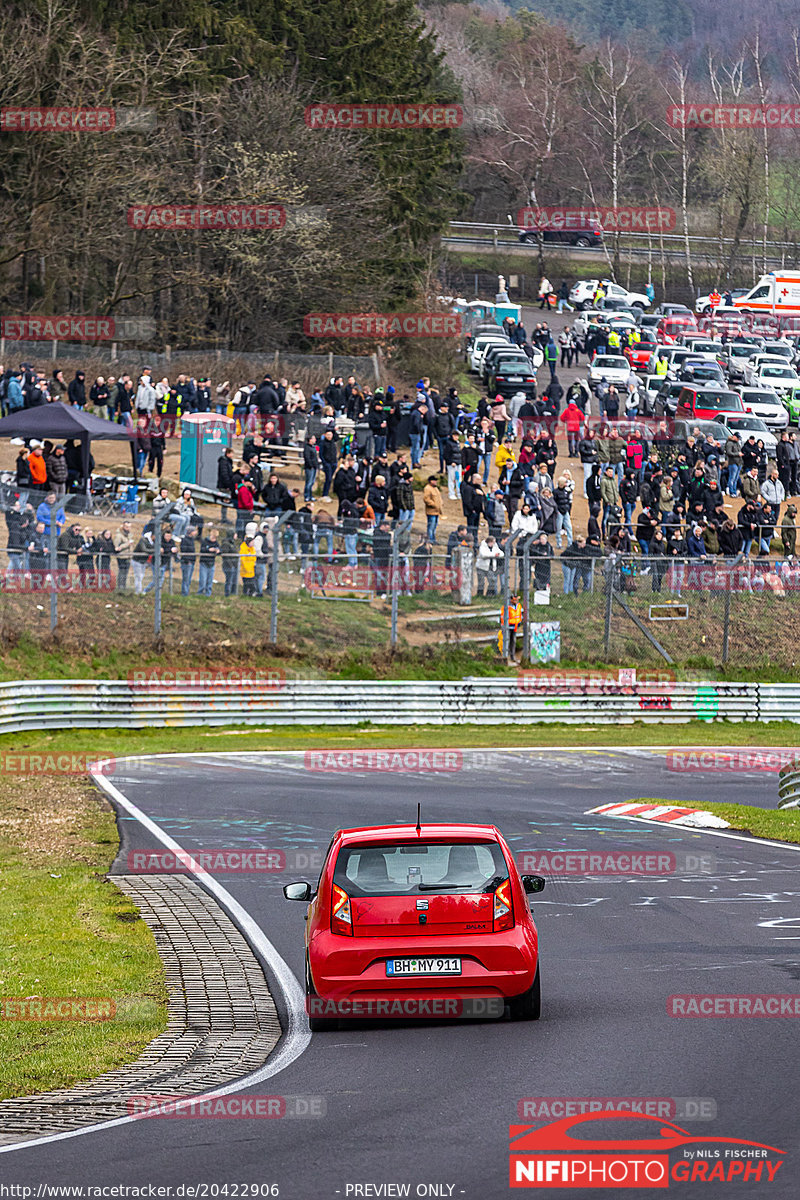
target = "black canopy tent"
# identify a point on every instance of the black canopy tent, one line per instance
(59, 421)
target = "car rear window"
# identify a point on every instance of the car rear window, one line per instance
(713, 399)
(411, 868)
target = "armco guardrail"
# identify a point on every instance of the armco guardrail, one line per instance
(789, 786)
(83, 704)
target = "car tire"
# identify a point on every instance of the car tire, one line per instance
(528, 1006)
(317, 1024)
(581, 241)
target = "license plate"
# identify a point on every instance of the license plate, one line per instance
(515, 379)
(423, 966)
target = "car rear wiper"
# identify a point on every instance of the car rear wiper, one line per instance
(443, 887)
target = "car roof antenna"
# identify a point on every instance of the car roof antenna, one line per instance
(419, 818)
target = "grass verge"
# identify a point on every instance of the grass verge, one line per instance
(65, 931)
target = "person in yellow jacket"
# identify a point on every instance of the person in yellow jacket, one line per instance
(613, 341)
(514, 623)
(247, 567)
(661, 366)
(504, 459)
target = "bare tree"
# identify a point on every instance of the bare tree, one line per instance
(613, 99)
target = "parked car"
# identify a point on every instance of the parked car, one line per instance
(614, 368)
(668, 309)
(492, 352)
(702, 347)
(735, 358)
(747, 425)
(766, 404)
(476, 351)
(782, 378)
(754, 363)
(666, 400)
(703, 303)
(705, 403)
(792, 402)
(649, 387)
(701, 371)
(682, 430)
(676, 356)
(511, 373)
(678, 325)
(582, 294)
(641, 355)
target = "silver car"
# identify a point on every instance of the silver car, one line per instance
(745, 424)
(766, 404)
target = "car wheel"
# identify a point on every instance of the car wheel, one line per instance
(317, 1024)
(581, 241)
(528, 1006)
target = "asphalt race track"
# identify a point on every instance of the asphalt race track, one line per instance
(429, 1103)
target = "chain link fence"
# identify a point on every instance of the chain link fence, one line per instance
(323, 591)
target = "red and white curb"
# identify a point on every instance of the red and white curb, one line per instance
(665, 814)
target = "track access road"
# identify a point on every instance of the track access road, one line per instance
(428, 1104)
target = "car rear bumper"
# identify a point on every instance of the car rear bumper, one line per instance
(507, 390)
(503, 966)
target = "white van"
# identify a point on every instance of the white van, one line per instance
(777, 293)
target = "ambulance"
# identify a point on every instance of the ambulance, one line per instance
(777, 293)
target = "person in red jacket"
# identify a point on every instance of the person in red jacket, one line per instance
(244, 506)
(573, 419)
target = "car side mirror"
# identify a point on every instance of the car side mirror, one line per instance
(297, 891)
(533, 883)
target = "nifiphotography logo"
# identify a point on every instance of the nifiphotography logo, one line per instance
(650, 1154)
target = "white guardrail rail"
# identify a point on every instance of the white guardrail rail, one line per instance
(96, 704)
(789, 785)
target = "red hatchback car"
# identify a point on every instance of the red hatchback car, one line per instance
(436, 911)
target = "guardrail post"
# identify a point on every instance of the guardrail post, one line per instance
(393, 582)
(727, 624)
(53, 566)
(609, 582)
(507, 588)
(157, 523)
(273, 582)
(526, 600)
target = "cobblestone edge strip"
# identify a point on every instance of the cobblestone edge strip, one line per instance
(221, 1019)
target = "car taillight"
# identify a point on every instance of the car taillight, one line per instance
(503, 908)
(341, 917)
